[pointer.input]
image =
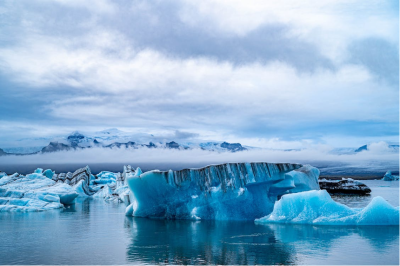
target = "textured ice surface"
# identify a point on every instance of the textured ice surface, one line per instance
(389, 177)
(105, 177)
(232, 191)
(317, 207)
(44, 190)
(33, 192)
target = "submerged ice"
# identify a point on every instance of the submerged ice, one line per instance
(232, 191)
(317, 207)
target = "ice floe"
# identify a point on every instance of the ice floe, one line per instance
(317, 207)
(46, 190)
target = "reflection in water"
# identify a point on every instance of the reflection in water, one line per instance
(95, 232)
(210, 242)
(191, 242)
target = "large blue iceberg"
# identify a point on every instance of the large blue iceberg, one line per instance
(317, 207)
(232, 191)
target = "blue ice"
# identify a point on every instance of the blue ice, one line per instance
(317, 207)
(232, 191)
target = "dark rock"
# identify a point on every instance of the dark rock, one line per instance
(344, 186)
(362, 148)
(233, 146)
(129, 144)
(56, 146)
(172, 145)
(151, 145)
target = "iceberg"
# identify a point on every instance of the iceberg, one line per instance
(389, 177)
(46, 190)
(33, 192)
(318, 208)
(231, 191)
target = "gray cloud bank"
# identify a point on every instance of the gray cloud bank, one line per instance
(378, 158)
(260, 70)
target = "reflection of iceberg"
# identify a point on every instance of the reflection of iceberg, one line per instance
(155, 241)
(232, 191)
(317, 207)
(381, 237)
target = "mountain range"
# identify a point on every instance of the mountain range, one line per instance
(115, 138)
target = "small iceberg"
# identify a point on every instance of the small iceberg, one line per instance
(318, 208)
(389, 177)
(46, 190)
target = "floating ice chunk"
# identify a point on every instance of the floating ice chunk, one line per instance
(305, 178)
(48, 173)
(26, 205)
(129, 210)
(105, 192)
(317, 207)
(80, 188)
(66, 193)
(105, 177)
(38, 171)
(389, 177)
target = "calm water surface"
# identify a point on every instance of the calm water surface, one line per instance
(96, 232)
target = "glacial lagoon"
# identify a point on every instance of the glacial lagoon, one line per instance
(92, 231)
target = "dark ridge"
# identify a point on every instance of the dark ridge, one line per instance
(234, 147)
(151, 145)
(172, 145)
(119, 145)
(362, 148)
(56, 146)
(213, 175)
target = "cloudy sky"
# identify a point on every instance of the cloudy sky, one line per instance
(258, 72)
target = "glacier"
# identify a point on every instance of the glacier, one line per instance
(318, 208)
(231, 191)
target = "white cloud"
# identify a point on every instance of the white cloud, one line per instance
(115, 81)
(112, 82)
(331, 25)
(378, 160)
(96, 6)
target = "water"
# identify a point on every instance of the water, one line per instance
(96, 232)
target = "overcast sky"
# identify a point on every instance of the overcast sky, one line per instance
(256, 72)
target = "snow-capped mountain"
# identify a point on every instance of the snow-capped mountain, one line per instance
(114, 139)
